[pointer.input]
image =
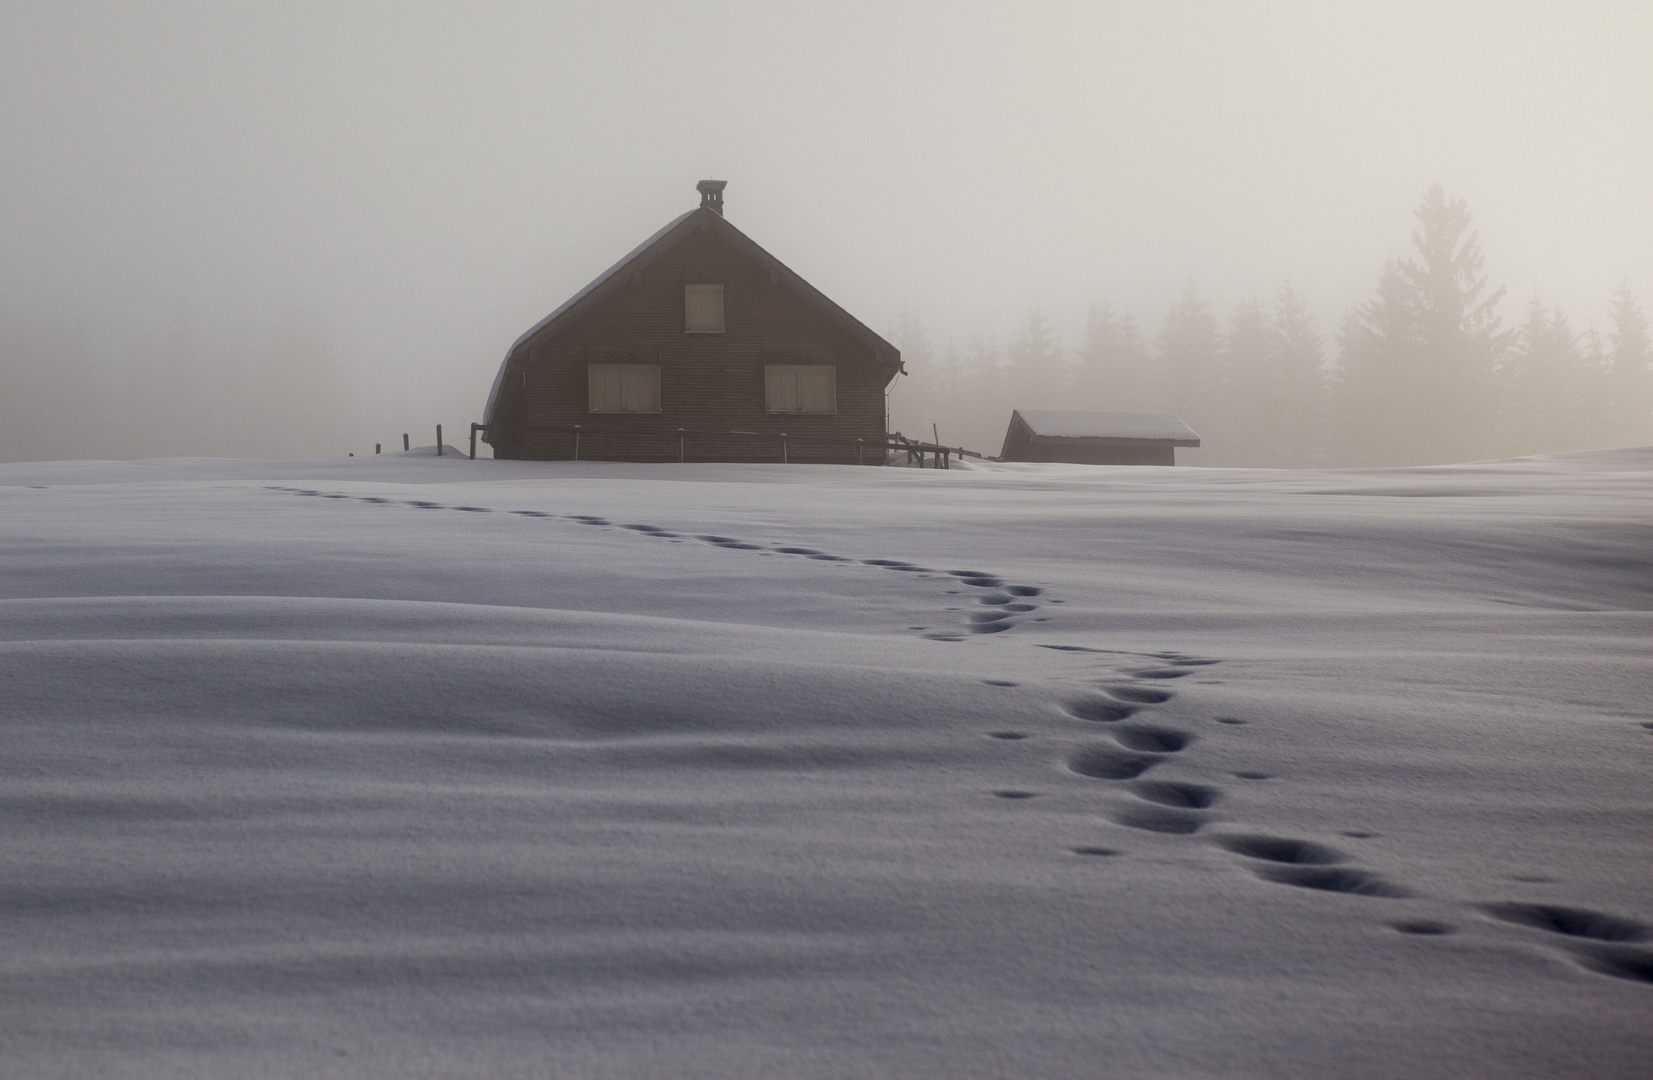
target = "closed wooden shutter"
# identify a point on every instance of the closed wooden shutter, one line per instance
(623, 387)
(800, 388)
(703, 309)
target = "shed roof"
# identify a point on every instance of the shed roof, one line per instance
(1081, 424)
(701, 217)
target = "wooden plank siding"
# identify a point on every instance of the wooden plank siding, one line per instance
(710, 383)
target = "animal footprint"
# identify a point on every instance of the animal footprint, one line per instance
(1342, 879)
(1308, 866)
(729, 542)
(1175, 793)
(1570, 921)
(1279, 849)
(1158, 819)
(1099, 710)
(1621, 963)
(1153, 740)
(1142, 695)
(1599, 940)
(1107, 763)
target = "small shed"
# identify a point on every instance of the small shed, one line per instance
(1095, 438)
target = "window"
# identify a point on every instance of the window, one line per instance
(800, 388)
(623, 387)
(703, 309)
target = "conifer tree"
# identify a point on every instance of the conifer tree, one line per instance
(1419, 358)
(1036, 375)
(1546, 388)
(1631, 408)
(1188, 356)
(1298, 384)
(1113, 369)
(1238, 428)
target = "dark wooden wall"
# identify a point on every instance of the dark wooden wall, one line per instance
(708, 382)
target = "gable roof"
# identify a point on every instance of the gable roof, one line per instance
(1079, 424)
(662, 241)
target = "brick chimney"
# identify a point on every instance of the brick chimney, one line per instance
(711, 194)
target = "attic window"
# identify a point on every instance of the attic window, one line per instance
(616, 388)
(703, 309)
(800, 388)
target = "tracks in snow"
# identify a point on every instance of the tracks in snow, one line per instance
(999, 606)
(1599, 942)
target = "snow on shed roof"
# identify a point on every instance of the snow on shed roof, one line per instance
(1081, 424)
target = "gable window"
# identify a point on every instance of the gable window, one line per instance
(616, 388)
(703, 309)
(800, 388)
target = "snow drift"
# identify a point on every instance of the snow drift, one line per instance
(428, 767)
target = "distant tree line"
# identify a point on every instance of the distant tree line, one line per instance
(1424, 372)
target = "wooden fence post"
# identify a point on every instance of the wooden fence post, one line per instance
(438, 440)
(404, 440)
(473, 441)
(375, 448)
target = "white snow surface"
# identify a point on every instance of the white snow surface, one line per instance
(423, 767)
(1084, 424)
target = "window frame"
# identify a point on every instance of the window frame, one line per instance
(772, 371)
(591, 370)
(705, 288)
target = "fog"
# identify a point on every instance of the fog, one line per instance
(305, 229)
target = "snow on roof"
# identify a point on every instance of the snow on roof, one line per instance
(499, 379)
(1081, 424)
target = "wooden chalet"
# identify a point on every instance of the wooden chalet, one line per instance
(1095, 438)
(697, 346)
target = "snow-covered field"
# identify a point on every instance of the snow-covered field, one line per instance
(422, 767)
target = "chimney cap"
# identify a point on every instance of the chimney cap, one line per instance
(711, 194)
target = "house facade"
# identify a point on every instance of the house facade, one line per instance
(697, 346)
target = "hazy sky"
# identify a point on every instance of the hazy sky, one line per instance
(430, 179)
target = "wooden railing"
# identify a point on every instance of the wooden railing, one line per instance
(941, 457)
